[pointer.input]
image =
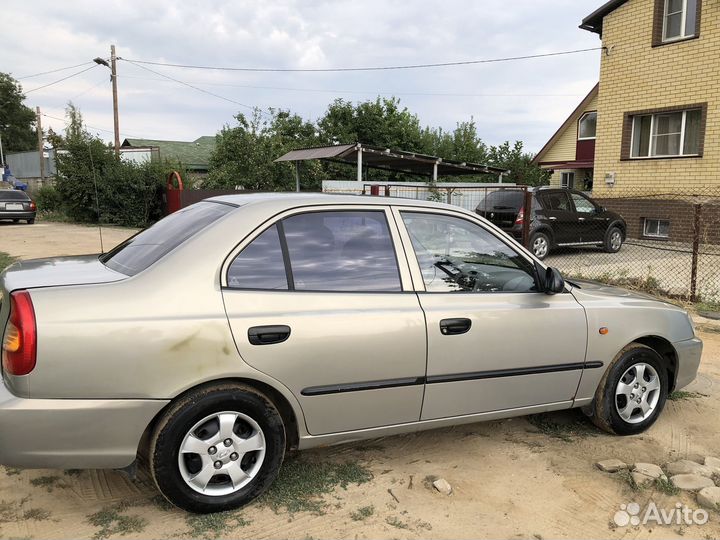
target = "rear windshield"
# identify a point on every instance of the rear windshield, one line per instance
(147, 247)
(502, 200)
(13, 195)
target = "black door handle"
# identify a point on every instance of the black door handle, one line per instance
(267, 335)
(453, 327)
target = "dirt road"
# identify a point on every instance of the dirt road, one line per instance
(520, 478)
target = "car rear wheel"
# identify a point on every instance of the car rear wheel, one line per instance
(613, 240)
(540, 245)
(217, 448)
(632, 393)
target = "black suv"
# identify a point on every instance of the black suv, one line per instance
(559, 217)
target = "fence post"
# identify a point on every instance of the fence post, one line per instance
(695, 252)
(527, 209)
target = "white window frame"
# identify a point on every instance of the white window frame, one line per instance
(652, 135)
(580, 121)
(683, 22)
(646, 221)
(567, 174)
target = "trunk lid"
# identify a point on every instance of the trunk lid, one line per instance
(501, 208)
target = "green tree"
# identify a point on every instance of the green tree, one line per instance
(519, 162)
(17, 121)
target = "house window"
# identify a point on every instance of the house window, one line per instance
(587, 126)
(666, 134)
(679, 19)
(656, 228)
(567, 180)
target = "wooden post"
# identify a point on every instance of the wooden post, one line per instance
(41, 151)
(116, 119)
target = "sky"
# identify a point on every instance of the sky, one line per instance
(523, 100)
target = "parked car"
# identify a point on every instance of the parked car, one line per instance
(560, 218)
(16, 205)
(243, 326)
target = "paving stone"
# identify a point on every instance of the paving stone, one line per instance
(691, 482)
(649, 469)
(685, 466)
(709, 497)
(611, 465)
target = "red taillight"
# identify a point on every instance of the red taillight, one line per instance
(33, 206)
(20, 342)
(520, 217)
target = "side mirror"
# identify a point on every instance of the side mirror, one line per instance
(554, 282)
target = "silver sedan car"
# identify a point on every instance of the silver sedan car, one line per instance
(244, 326)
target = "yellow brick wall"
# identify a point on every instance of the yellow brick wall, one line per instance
(564, 147)
(636, 76)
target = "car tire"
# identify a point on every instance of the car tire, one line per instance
(637, 373)
(233, 474)
(613, 240)
(540, 245)
(30, 221)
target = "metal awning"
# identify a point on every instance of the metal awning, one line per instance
(362, 155)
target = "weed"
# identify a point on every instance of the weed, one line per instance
(428, 481)
(626, 476)
(362, 513)
(7, 511)
(5, 260)
(213, 525)
(300, 485)
(565, 430)
(663, 485)
(72, 472)
(395, 522)
(48, 482)
(12, 471)
(37, 514)
(161, 503)
(110, 521)
(682, 395)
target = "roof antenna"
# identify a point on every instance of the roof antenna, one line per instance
(97, 198)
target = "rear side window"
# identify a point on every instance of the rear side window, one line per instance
(260, 264)
(13, 195)
(556, 201)
(147, 247)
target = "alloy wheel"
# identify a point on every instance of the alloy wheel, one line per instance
(540, 247)
(637, 393)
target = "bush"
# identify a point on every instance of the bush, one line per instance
(47, 199)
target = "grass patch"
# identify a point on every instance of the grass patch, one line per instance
(395, 522)
(161, 503)
(48, 482)
(12, 471)
(5, 260)
(7, 511)
(72, 472)
(110, 521)
(362, 513)
(37, 514)
(213, 525)
(625, 476)
(428, 481)
(682, 395)
(300, 485)
(566, 429)
(663, 485)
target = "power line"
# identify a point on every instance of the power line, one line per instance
(60, 80)
(51, 71)
(194, 87)
(331, 91)
(372, 68)
(67, 123)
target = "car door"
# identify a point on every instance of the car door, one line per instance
(591, 222)
(494, 341)
(559, 212)
(319, 300)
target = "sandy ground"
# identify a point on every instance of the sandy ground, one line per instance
(511, 479)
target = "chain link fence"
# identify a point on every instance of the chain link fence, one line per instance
(671, 242)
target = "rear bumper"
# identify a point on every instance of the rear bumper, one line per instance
(689, 352)
(16, 215)
(72, 433)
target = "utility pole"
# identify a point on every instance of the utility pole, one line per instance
(41, 150)
(113, 77)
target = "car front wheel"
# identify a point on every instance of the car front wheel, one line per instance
(613, 240)
(217, 448)
(632, 392)
(540, 245)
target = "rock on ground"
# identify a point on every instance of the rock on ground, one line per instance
(713, 463)
(685, 466)
(641, 479)
(611, 465)
(442, 486)
(649, 469)
(691, 482)
(709, 497)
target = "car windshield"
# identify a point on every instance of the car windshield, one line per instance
(150, 245)
(13, 195)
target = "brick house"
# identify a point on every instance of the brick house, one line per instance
(658, 122)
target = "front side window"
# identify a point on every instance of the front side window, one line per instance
(582, 205)
(587, 126)
(556, 200)
(456, 255)
(341, 251)
(260, 264)
(679, 19)
(666, 134)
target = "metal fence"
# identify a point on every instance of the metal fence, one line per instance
(671, 240)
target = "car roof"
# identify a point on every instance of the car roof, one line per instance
(306, 199)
